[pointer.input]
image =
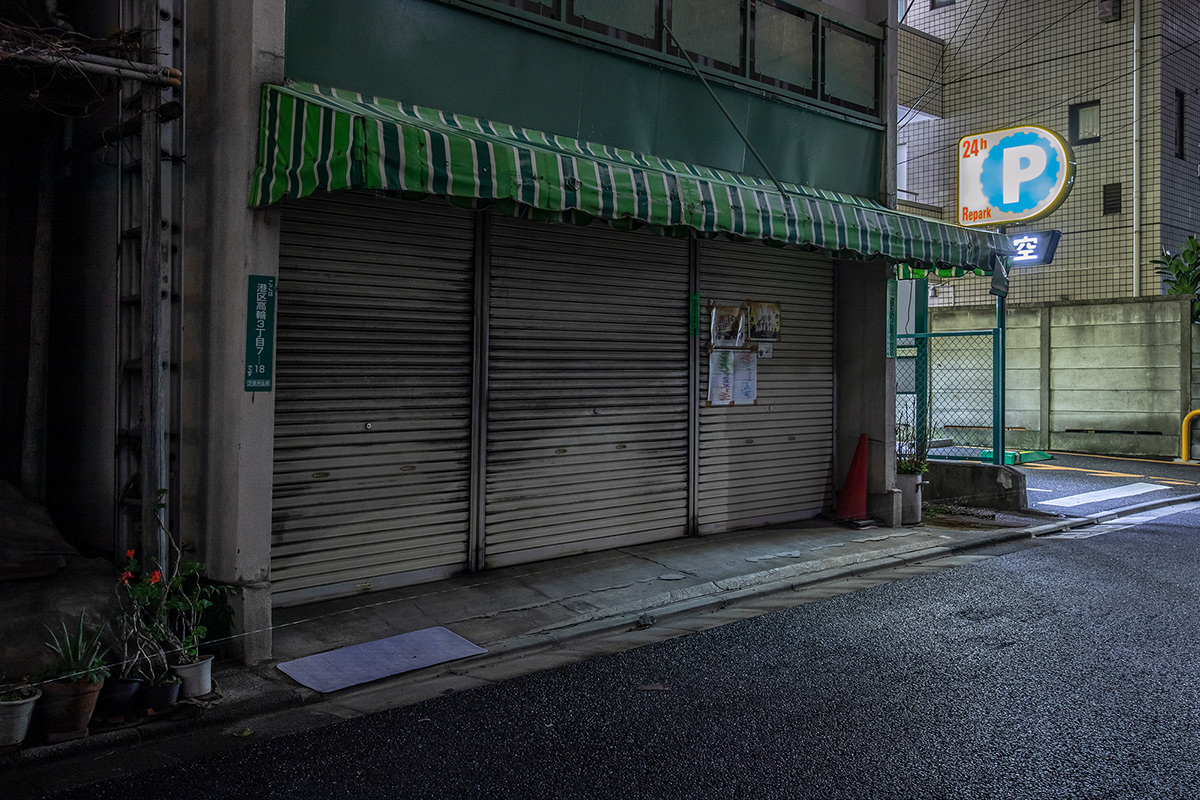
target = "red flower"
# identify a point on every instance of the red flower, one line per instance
(129, 554)
(125, 576)
(155, 576)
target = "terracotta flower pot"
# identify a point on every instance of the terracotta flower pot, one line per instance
(66, 708)
(14, 719)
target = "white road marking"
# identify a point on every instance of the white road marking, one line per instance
(1031, 489)
(1124, 522)
(1127, 490)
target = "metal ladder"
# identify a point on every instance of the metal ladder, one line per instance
(147, 478)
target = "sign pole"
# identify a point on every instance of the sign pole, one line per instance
(998, 349)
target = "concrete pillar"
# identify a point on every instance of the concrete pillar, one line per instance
(232, 48)
(866, 382)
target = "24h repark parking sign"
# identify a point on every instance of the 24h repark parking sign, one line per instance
(1013, 175)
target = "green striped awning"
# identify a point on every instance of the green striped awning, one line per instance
(313, 137)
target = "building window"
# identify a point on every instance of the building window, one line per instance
(940, 3)
(1111, 202)
(902, 170)
(1085, 123)
(1180, 124)
(855, 83)
(783, 49)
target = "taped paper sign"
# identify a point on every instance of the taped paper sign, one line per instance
(728, 326)
(765, 319)
(732, 377)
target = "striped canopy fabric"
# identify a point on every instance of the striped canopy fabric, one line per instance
(313, 137)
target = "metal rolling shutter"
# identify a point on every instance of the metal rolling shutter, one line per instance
(373, 395)
(772, 461)
(587, 443)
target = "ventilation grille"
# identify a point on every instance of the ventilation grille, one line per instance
(1112, 198)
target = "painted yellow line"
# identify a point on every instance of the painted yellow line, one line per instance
(1112, 458)
(1097, 472)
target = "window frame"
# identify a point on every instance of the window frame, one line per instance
(825, 96)
(620, 34)
(1073, 122)
(1181, 124)
(779, 83)
(937, 5)
(699, 59)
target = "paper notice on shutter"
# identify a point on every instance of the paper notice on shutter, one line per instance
(732, 377)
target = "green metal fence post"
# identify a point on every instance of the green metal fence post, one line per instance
(921, 325)
(998, 384)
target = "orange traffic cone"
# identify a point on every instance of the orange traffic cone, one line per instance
(852, 502)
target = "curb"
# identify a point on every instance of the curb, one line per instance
(256, 705)
(1111, 514)
(764, 583)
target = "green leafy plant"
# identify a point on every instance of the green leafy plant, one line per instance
(139, 607)
(913, 435)
(188, 597)
(81, 655)
(161, 612)
(1181, 271)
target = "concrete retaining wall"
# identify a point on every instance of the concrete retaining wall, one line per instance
(1111, 376)
(967, 483)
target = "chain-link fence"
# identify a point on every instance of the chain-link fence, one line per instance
(947, 389)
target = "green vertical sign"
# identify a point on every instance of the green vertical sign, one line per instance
(890, 347)
(260, 334)
(694, 314)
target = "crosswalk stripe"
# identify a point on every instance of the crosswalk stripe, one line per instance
(1124, 522)
(1128, 490)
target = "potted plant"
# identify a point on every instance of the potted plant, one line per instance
(70, 697)
(142, 597)
(912, 460)
(188, 600)
(161, 613)
(142, 660)
(1181, 271)
(16, 709)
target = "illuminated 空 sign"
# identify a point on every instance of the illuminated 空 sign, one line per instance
(1013, 175)
(1033, 248)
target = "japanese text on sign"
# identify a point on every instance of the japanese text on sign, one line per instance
(732, 377)
(260, 334)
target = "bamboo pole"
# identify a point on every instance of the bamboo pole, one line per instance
(155, 289)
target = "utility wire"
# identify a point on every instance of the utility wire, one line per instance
(1022, 43)
(1058, 104)
(958, 79)
(937, 67)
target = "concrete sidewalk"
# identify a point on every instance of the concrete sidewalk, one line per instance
(528, 617)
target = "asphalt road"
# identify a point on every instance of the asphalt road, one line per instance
(1125, 481)
(1065, 670)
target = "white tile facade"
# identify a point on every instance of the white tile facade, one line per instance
(1017, 62)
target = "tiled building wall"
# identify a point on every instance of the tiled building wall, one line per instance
(1180, 72)
(919, 59)
(1027, 62)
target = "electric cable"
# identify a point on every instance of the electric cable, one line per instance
(941, 58)
(934, 80)
(1060, 103)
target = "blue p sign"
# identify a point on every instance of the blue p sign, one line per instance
(1012, 175)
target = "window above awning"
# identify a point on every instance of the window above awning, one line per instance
(314, 137)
